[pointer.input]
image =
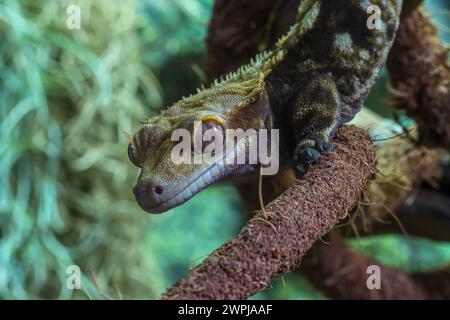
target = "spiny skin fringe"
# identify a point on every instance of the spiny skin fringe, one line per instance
(265, 61)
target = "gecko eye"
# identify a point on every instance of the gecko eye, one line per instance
(132, 156)
(210, 124)
(214, 128)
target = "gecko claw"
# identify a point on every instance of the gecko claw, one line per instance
(308, 156)
(304, 159)
(324, 146)
(300, 170)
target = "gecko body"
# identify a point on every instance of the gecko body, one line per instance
(315, 79)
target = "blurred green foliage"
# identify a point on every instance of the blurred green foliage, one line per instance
(67, 97)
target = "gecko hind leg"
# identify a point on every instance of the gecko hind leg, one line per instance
(316, 112)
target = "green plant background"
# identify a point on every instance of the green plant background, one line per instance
(66, 98)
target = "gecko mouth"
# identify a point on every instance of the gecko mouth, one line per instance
(208, 177)
(212, 174)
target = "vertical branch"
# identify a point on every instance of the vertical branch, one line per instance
(420, 76)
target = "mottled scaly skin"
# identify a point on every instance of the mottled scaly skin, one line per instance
(314, 80)
(323, 81)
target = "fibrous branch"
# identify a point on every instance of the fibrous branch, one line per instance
(300, 216)
(272, 245)
(343, 274)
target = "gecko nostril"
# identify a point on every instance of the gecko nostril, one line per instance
(158, 189)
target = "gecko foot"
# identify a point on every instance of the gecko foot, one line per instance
(307, 154)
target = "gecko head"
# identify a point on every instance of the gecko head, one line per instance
(184, 149)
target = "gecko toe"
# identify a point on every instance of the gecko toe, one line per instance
(304, 159)
(308, 156)
(323, 146)
(300, 170)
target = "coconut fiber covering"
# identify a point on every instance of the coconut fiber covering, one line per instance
(272, 245)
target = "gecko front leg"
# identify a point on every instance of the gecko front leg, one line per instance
(315, 113)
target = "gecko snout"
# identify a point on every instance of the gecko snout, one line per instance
(141, 188)
(147, 194)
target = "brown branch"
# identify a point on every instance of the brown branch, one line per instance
(401, 169)
(239, 29)
(342, 274)
(427, 216)
(420, 76)
(419, 72)
(436, 283)
(305, 212)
